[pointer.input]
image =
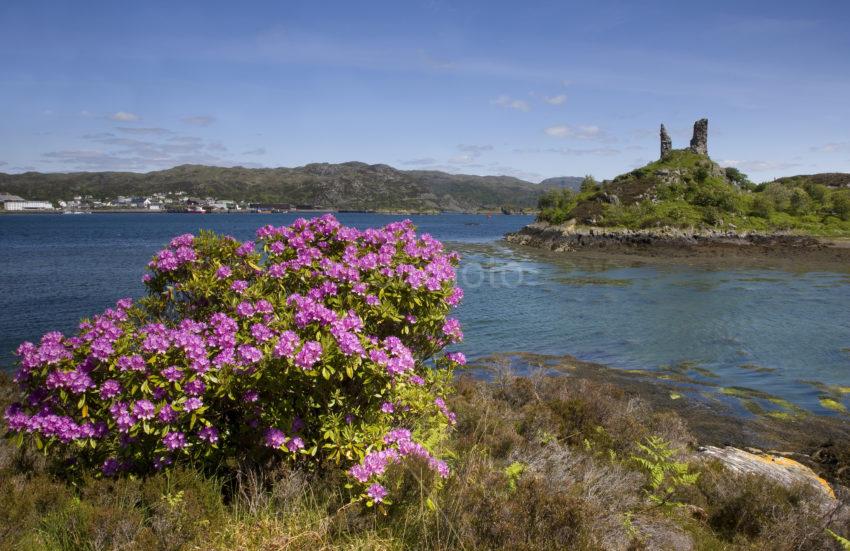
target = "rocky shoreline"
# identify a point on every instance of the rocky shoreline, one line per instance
(674, 242)
(802, 447)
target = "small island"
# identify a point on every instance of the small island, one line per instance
(686, 204)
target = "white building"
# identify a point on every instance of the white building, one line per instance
(27, 205)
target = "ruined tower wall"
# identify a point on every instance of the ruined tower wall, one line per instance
(699, 142)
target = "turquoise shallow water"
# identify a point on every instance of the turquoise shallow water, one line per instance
(795, 326)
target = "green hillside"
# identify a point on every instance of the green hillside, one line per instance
(686, 189)
(351, 185)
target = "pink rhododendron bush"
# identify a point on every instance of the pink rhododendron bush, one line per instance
(318, 344)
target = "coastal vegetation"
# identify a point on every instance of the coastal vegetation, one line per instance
(688, 190)
(541, 462)
(294, 392)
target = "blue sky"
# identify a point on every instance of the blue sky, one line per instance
(530, 89)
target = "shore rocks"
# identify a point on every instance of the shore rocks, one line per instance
(677, 242)
(781, 469)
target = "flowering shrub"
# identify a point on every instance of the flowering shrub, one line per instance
(317, 344)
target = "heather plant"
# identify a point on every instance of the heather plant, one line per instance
(317, 344)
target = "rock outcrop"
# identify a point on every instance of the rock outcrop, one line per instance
(699, 141)
(782, 470)
(666, 142)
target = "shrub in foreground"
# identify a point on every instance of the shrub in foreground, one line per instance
(317, 344)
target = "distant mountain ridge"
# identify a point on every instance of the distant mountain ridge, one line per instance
(563, 182)
(350, 186)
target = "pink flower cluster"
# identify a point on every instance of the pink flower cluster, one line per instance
(178, 253)
(237, 339)
(275, 438)
(401, 445)
(48, 425)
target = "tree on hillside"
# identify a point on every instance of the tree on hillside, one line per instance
(589, 184)
(738, 178)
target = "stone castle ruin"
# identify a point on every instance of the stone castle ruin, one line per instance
(699, 141)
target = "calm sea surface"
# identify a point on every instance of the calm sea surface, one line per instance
(783, 328)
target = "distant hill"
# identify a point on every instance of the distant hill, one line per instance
(563, 182)
(829, 179)
(351, 186)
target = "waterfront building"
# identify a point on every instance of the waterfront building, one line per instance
(27, 205)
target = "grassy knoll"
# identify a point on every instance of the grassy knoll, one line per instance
(687, 190)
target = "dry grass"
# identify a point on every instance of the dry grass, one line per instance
(575, 489)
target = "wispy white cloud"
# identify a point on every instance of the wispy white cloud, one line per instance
(469, 154)
(124, 116)
(465, 159)
(833, 147)
(504, 170)
(148, 131)
(555, 100)
(199, 120)
(257, 151)
(435, 63)
(571, 152)
(474, 149)
(140, 149)
(186, 139)
(581, 132)
(281, 45)
(511, 103)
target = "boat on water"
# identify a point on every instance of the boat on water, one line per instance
(76, 212)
